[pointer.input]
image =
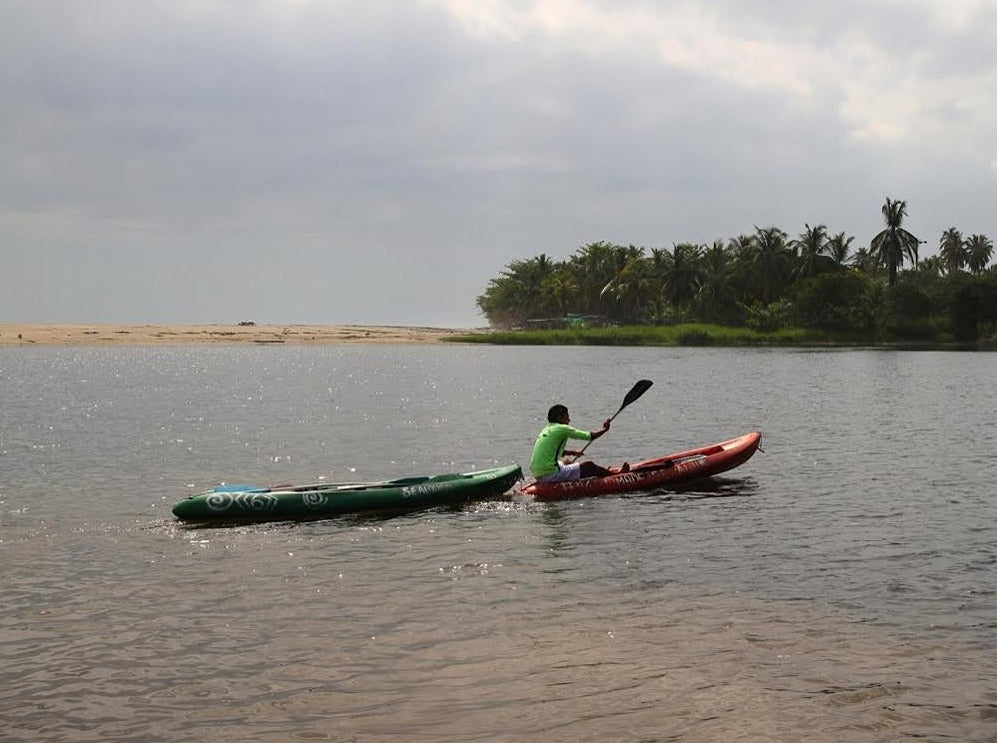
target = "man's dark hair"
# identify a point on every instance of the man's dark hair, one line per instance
(556, 413)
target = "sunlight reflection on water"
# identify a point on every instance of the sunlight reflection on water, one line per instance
(839, 585)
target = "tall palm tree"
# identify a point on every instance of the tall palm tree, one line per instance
(979, 249)
(894, 244)
(952, 250)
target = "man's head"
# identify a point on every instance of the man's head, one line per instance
(557, 414)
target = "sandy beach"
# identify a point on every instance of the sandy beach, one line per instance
(14, 334)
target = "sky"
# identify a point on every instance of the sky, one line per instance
(378, 162)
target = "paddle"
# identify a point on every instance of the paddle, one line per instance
(635, 392)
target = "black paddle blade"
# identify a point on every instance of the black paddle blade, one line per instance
(638, 389)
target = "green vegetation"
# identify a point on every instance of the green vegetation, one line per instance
(757, 289)
(685, 334)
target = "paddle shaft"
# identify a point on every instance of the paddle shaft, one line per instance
(635, 392)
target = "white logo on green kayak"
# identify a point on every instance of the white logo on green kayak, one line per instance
(241, 501)
(314, 500)
(427, 489)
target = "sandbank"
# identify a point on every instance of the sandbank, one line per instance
(22, 334)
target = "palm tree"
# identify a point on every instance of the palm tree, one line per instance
(635, 287)
(683, 275)
(894, 244)
(542, 264)
(592, 265)
(519, 293)
(932, 266)
(532, 277)
(597, 266)
(660, 260)
(766, 264)
(952, 250)
(742, 244)
(809, 246)
(624, 263)
(839, 247)
(561, 290)
(979, 249)
(742, 249)
(865, 261)
(717, 298)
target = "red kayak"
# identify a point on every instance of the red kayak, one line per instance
(655, 473)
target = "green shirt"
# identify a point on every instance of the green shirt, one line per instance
(550, 446)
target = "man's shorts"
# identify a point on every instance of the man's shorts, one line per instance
(567, 473)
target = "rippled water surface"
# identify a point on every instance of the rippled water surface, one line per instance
(838, 586)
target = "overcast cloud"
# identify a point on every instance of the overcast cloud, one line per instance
(297, 161)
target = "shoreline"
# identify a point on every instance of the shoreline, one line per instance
(179, 334)
(101, 334)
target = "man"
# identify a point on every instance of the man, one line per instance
(546, 464)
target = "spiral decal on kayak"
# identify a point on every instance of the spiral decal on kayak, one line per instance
(218, 501)
(256, 501)
(241, 501)
(314, 500)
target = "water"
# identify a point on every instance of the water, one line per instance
(838, 586)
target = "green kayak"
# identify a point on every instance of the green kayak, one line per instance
(249, 503)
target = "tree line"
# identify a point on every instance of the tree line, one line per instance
(767, 281)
